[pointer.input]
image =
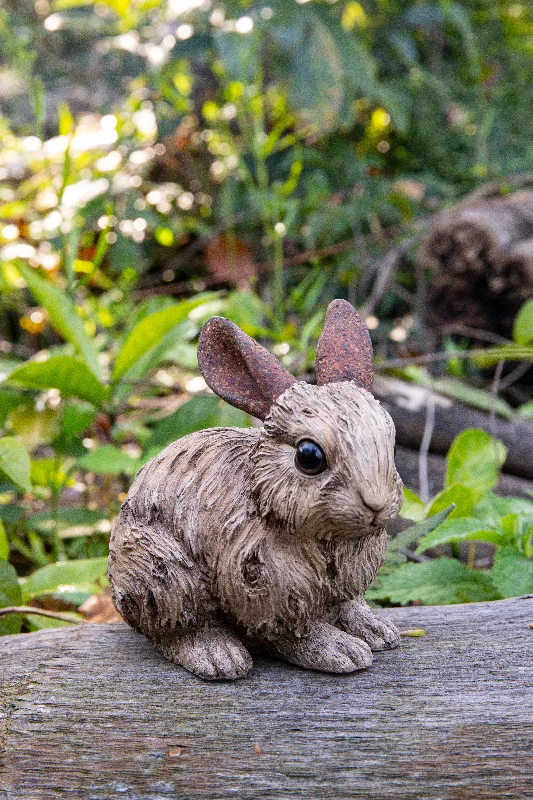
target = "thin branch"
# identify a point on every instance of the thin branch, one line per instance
(423, 471)
(494, 390)
(41, 612)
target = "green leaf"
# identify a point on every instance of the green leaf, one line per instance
(69, 522)
(491, 509)
(474, 459)
(9, 400)
(15, 462)
(460, 529)
(150, 331)
(4, 544)
(63, 576)
(526, 410)
(109, 460)
(523, 324)
(198, 413)
(63, 316)
(413, 507)
(37, 623)
(512, 572)
(10, 595)
(413, 534)
(69, 375)
(75, 420)
(461, 496)
(439, 582)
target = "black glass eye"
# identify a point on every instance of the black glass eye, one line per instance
(310, 458)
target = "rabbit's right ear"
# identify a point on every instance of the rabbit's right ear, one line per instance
(238, 369)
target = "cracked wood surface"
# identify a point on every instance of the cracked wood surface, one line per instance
(94, 712)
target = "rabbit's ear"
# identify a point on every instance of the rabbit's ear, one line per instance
(344, 351)
(238, 369)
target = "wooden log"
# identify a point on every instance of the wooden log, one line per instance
(94, 713)
(481, 269)
(407, 405)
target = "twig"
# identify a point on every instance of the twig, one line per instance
(514, 375)
(410, 555)
(423, 474)
(41, 612)
(385, 270)
(494, 389)
(476, 333)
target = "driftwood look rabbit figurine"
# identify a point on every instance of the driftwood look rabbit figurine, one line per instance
(266, 537)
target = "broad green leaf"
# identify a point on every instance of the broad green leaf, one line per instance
(438, 582)
(63, 316)
(4, 544)
(15, 462)
(34, 427)
(57, 577)
(109, 460)
(523, 324)
(477, 398)
(11, 513)
(9, 399)
(413, 507)
(526, 410)
(203, 411)
(459, 529)
(10, 595)
(474, 460)
(37, 623)
(149, 332)
(75, 420)
(413, 534)
(491, 508)
(512, 572)
(461, 496)
(69, 375)
(70, 521)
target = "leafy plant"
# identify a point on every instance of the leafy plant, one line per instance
(467, 510)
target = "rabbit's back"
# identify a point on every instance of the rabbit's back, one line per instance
(166, 540)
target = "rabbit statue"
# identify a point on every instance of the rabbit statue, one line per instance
(266, 538)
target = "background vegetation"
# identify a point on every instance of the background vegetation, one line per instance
(161, 162)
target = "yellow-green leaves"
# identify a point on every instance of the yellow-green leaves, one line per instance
(15, 462)
(523, 324)
(150, 331)
(474, 460)
(71, 376)
(63, 316)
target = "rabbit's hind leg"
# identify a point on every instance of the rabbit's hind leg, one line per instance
(212, 652)
(324, 648)
(356, 618)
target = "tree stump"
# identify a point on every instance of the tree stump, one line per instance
(94, 713)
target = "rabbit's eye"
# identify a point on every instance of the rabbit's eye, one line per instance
(310, 458)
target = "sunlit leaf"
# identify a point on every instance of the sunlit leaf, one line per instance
(63, 316)
(15, 462)
(69, 375)
(54, 577)
(150, 331)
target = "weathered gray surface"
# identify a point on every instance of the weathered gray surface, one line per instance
(93, 712)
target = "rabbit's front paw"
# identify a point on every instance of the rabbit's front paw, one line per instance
(212, 653)
(325, 648)
(357, 618)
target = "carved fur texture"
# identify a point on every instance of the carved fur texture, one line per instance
(223, 546)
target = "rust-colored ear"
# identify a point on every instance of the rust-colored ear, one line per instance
(238, 369)
(344, 351)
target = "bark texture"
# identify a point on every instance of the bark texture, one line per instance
(481, 260)
(95, 713)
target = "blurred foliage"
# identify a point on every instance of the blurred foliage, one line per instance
(161, 162)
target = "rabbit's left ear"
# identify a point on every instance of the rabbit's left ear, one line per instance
(344, 351)
(238, 369)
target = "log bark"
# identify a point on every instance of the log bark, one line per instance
(407, 405)
(95, 712)
(481, 261)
